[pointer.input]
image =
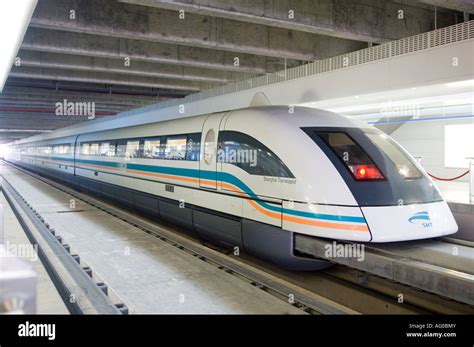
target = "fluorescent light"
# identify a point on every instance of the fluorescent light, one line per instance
(14, 19)
(459, 101)
(466, 83)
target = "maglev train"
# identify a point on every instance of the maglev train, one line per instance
(253, 178)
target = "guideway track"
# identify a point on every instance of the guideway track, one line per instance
(423, 264)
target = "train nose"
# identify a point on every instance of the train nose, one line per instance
(410, 222)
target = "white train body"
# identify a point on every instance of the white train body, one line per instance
(254, 176)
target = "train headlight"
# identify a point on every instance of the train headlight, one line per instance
(366, 172)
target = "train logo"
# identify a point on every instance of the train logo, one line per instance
(422, 217)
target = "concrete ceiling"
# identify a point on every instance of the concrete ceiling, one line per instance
(79, 50)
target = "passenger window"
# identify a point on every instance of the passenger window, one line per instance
(107, 149)
(250, 155)
(209, 146)
(85, 148)
(132, 149)
(175, 147)
(193, 147)
(94, 149)
(121, 148)
(151, 148)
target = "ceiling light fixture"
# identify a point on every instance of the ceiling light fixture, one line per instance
(14, 19)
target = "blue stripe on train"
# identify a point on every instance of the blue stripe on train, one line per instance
(228, 178)
(220, 176)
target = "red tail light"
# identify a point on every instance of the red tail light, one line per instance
(366, 172)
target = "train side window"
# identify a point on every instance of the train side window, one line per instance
(209, 146)
(85, 148)
(250, 155)
(152, 148)
(176, 147)
(94, 149)
(121, 147)
(107, 149)
(132, 149)
(193, 146)
(60, 149)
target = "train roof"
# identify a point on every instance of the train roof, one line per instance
(150, 114)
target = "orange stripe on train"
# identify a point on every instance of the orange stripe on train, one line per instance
(271, 214)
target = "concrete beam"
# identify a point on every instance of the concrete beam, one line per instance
(51, 104)
(47, 110)
(48, 119)
(24, 131)
(39, 121)
(9, 135)
(458, 5)
(31, 123)
(47, 102)
(41, 95)
(135, 68)
(11, 138)
(103, 17)
(105, 78)
(127, 94)
(89, 45)
(371, 21)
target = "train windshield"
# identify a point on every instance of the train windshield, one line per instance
(404, 165)
(352, 155)
(377, 170)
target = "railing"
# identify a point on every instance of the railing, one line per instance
(469, 171)
(444, 36)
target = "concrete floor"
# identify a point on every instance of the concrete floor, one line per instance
(48, 300)
(147, 274)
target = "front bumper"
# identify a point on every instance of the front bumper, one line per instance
(410, 222)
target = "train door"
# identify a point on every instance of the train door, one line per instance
(208, 157)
